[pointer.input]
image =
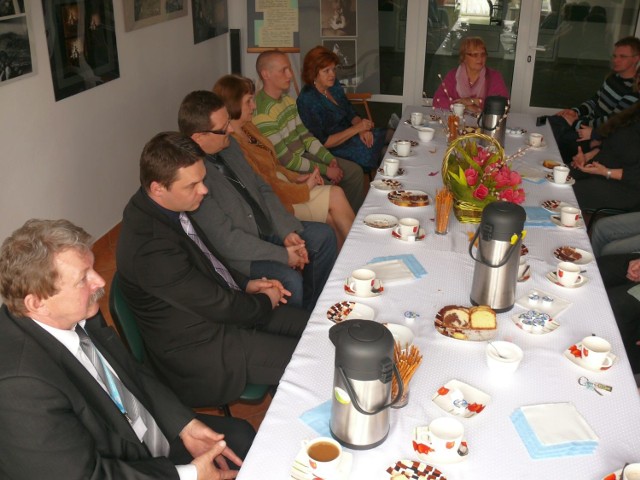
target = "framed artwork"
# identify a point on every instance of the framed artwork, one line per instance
(81, 39)
(346, 70)
(338, 18)
(15, 48)
(142, 13)
(210, 19)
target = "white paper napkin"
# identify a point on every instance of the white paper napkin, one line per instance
(557, 423)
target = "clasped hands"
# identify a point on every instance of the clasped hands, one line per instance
(366, 136)
(271, 288)
(584, 162)
(311, 179)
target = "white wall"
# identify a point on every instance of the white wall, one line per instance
(78, 158)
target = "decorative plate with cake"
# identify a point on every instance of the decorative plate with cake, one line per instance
(573, 255)
(467, 323)
(408, 198)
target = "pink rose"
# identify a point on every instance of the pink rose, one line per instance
(482, 156)
(506, 195)
(481, 192)
(502, 177)
(471, 176)
(514, 179)
(518, 196)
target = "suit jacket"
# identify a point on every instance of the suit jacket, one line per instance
(188, 316)
(58, 423)
(227, 220)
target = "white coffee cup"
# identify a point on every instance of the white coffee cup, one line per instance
(402, 147)
(324, 455)
(391, 166)
(535, 139)
(361, 281)
(416, 118)
(568, 273)
(560, 174)
(408, 228)
(632, 472)
(426, 134)
(458, 109)
(443, 435)
(595, 352)
(569, 216)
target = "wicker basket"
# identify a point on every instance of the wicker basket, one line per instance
(464, 210)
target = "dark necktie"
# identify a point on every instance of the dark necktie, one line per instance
(219, 267)
(126, 402)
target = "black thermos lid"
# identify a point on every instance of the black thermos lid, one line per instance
(495, 105)
(500, 220)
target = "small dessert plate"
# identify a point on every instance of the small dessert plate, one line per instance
(395, 154)
(386, 184)
(549, 164)
(535, 322)
(395, 233)
(346, 310)
(574, 353)
(556, 219)
(570, 180)
(401, 334)
(409, 198)
(553, 277)
(416, 470)
(300, 469)
(380, 220)
(376, 289)
(543, 144)
(401, 172)
(516, 131)
(543, 302)
(553, 206)
(427, 454)
(573, 255)
(460, 399)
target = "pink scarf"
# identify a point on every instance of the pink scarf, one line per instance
(462, 84)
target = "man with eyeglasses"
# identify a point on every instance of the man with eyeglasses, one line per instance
(573, 127)
(244, 219)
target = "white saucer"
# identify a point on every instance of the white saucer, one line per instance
(395, 154)
(536, 329)
(578, 359)
(554, 307)
(552, 277)
(570, 181)
(380, 220)
(386, 184)
(400, 173)
(516, 131)
(556, 219)
(300, 469)
(542, 145)
(433, 457)
(586, 257)
(341, 311)
(421, 235)
(460, 399)
(376, 289)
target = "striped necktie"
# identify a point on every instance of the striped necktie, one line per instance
(187, 226)
(126, 402)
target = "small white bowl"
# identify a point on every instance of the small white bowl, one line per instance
(425, 133)
(513, 356)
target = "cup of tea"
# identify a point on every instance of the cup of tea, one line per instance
(535, 139)
(416, 118)
(569, 216)
(408, 228)
(560, 174)
(568, 273)
(425, 134)
(595, 352)
(324, 455)
(402, 147)
(443, 435)
(391, 166)
(361, 281)
(458, 109)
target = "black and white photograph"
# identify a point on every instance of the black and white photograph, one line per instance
(346, 70)
(11, 7)
(338, 18)
(143, 13)
(15, 49)
(210, 19)
(82, 47)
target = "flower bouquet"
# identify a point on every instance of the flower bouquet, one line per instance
(475, 170)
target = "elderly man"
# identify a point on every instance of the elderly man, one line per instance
(573, 126)
(277, 118)
(74, 404)
(208, 329)
(244, 219)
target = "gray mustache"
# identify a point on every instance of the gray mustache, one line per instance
(97, 295)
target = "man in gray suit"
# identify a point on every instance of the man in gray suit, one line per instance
(244, 219)
(74, 404)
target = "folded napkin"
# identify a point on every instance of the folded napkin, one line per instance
(634, 292)
(397, 267)
(554, 430)
(537, 217)
(319, 418)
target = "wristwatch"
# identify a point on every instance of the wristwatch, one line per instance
(608, 174)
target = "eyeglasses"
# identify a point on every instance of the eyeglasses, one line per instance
(222, 131)
(477, 54)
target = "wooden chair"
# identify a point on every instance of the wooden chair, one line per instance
(127, 327)
(361, 99)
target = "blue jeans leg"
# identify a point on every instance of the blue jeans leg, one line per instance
(323, 250)
(290, 278)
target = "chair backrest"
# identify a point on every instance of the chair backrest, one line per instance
(125, 320)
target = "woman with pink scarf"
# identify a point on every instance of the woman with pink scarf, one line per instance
(472, 81)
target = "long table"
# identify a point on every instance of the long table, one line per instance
(545, 375)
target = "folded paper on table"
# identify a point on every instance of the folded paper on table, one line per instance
(537, 217)
(397, 267)
(319, 418)
(634, 292)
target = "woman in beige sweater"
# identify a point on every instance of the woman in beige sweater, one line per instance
(305, 196)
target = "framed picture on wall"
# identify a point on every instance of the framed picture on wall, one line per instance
(142, 13)
(81, 39)
(15, 48)
(346, 70)
(210, 19)
(338, 18)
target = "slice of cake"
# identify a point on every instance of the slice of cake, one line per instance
(453, 316)
(482, 318)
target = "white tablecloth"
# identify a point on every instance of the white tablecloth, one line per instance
(545, 375)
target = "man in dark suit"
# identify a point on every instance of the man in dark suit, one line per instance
(208, 330)
(74, 404)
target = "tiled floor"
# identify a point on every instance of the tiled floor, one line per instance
(105, 265)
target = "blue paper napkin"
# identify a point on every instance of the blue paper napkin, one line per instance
(319, 418)
(409, 260)
(538, 217)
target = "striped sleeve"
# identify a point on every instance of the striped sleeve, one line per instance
(614, 96)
